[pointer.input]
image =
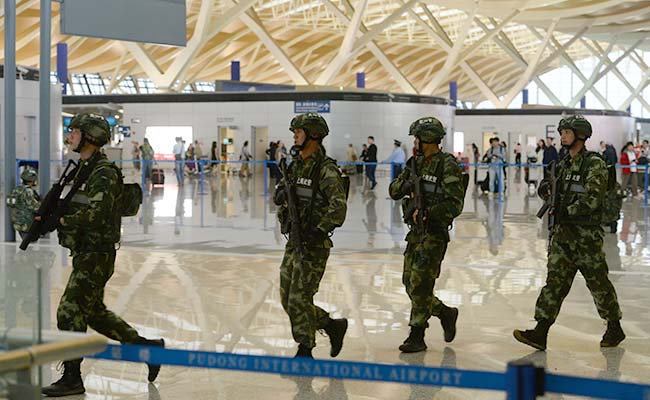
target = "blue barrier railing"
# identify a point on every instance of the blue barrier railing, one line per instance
(521, 381)
(202, 164)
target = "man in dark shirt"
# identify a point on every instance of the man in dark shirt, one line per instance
(550, 152)
(371, 157)
(609, 153)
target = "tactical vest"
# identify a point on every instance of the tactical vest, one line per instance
(571, 187)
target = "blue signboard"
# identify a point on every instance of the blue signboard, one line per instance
(317, 106)
(111, 121)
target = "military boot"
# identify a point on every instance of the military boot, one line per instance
(336, 329)
(69, 384)
(613, 335)
(534, 337)
(448, 319)
(153, 368)
(303, 351)
(415, 341)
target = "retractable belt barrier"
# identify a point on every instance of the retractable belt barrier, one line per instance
(521, 381)
(203, 163)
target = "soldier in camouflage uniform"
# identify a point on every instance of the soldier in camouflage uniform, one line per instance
(319, 187)
(577, 238)
(90, 228)
(24, 202)
(443, 193)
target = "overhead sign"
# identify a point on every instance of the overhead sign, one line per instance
(317, 106)
(148, 21)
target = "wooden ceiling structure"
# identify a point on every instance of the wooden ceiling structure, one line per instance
(492, 48)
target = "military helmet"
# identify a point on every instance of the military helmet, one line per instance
(29, 174)
(580, 125)
(427, 129)
(94, 127)
(296, 123)
(313, 123)
(563, 124)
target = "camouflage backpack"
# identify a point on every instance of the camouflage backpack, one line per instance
(613, 200)
(130, 198)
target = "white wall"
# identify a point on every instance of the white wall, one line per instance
(27, 121)
(616, 130)
(349, 121)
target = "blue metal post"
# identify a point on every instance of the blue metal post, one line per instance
(583, 102)
(453, 93)
(645, 187)
(9, 109)
(201, 167)
(266, 183)
(235, 71)
(500, 182)
(521, 381)
(62, 65)
(361, 80)
(145, 165)
(524, 96)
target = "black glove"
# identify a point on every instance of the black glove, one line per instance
(408, 187)
(280, 197)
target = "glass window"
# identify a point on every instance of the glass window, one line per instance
(204, 86)
(95, 83)
(146, 85)
(79, 85)
(53, 78)
(127, 86)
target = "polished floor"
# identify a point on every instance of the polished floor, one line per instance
(199, 267)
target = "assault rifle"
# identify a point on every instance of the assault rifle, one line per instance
(52, 207)
(417, 212)
(551, 202)
(292, 205)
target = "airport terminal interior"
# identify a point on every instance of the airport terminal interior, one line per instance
(198, 97)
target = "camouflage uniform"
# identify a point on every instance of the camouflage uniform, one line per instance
(299, 279)
(577, 243)
(23, 202)
(91, 229)
(426, 246)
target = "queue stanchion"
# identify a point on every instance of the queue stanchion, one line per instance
(645, 187)
(500, 182)
(266, 179)
(202, 176)
(524, 381)
(145, 165)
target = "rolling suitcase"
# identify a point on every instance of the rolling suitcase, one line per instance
(157, 176)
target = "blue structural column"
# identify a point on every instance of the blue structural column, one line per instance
(44, 98)
(583, 102)
(361, 80)
(9, 110)
(524, 96)
(629, 110)
(235, 71)
(62, 65)
(453, 93)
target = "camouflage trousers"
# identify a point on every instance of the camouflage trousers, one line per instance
(82, 303)
(299, 282)
(422, 261)
(576, 249)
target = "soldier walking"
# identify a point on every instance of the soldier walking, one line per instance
(24, 201)
(577, 237)
(439, 179)
(90, 228)
(316, 182)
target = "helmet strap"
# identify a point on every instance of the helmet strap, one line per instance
(82, 142)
